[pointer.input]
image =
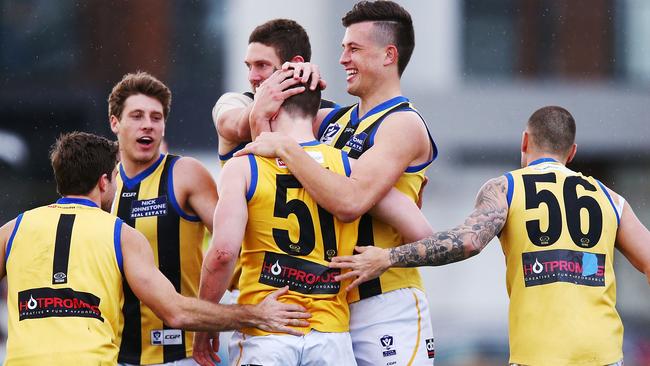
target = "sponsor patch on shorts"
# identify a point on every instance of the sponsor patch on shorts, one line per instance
(387, 345)
(431, 350)
(165, 337)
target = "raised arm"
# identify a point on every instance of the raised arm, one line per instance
(195, 190)
(349, 198)
(230, 117)
(633, 239)
(443, 247)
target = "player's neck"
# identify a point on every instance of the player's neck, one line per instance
(531, 157)
(133, 167)
(378, 95)
(300, 129)
(93, 196)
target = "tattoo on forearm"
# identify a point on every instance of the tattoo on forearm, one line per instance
(463, 241)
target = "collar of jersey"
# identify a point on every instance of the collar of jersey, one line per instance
(543, 160)
(310, 143)
(354, 117)
(131, 182)
(76, 201)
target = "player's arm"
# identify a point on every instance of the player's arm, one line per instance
(177, 311)
(443, 247)
(230, 116)
(399, 211)
(5, 234)
(400, 140)
(633, 239)
(195, 189)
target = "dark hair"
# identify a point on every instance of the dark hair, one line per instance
(304, 104)
(393, 23)
(287, 37)
(138, 83)
(79, 159)
(553, 129)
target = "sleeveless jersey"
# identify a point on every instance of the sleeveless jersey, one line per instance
(64, 286)
(289, 240)
(223, 158)
(344, 130)
(559, 246)
(147, 203)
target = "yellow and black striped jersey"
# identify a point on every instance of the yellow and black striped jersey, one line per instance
(64, 280)
(147, 203)
(345, 130)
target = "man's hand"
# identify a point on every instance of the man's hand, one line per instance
(370, 263)
(274, 316)
(206, 346)
(270, 95)
(303, 70)
(268, 144)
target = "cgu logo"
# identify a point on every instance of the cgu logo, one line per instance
(172, 336)
(129, 194)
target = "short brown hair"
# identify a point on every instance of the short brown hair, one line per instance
(138, 83)
(394, 25)
(304, 104)
(79, 159)
(287, 37)
(553, 129)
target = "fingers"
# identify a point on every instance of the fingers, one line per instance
(277, 293)
(346, 276)
(290, 330)
(359, 249)
(248, 149)
(354, 284)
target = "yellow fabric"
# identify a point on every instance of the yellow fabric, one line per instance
(92, 268)
(189, 240)
(555, 317)
(384, 235)
(330, 312)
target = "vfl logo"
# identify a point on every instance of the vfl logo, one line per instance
(330, 132)
(165, 337)
(431, 352)
(387, 346)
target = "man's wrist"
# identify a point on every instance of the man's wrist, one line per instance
(287, 149)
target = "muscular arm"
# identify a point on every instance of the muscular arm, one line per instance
(195, 189)
(633, 240)
(401, 140)
(443, 247)
(5, 234)
(400, 212)
(230, 116)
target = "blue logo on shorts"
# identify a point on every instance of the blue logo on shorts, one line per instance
(387, 346)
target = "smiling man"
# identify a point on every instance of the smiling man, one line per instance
(168, 198)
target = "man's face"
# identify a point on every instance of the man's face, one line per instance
(362, 58)
(140, 129)
(109, 194)
(262, 61)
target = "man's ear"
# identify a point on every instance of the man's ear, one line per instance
(115, 124)
(391, 55)
(297, 58)
(572, 153)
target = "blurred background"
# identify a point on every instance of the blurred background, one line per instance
(479, 69)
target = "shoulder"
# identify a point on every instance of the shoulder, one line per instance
(229, 101)
(189, 172)
(6, 230)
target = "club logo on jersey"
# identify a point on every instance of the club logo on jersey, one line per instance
(431, 350)
(165, 337)
(279, 270)
(387, 346)
(147, 208)
(47, 302)
(356, 141)
(563, 265)
(330, 132)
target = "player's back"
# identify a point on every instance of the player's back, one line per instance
(559, 244)
(64, 286)
(289, 240)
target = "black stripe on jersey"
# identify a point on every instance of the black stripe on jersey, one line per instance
(131, 346)
(367, 238)
(169, 252)
(62, 249)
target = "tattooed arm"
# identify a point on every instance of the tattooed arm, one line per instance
(443, 247)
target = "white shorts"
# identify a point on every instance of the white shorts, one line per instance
(313, 349)
(392, 329)
(182, 362)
